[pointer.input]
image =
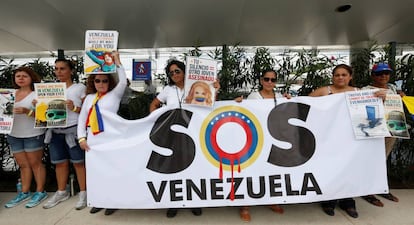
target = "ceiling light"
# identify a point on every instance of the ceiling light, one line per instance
(343, 8)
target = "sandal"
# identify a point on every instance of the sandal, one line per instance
(244, 214)
(277, 209)
(390, 197)
(375, 201)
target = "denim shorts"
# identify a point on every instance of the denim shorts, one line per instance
(60, 151)
(30, 144)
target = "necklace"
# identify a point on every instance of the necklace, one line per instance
(266, 94)
(178, 96)
(272, 96)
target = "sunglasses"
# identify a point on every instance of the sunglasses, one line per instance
(176, 71)
(382, 73)
(267, 79)
(97, 81)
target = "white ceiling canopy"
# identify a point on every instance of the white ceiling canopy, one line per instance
(48, 25)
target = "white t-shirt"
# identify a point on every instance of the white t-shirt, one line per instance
(171, 96)
(392, 89)
(257, 95)
(23, 126)
(109, 102)
(76, 92)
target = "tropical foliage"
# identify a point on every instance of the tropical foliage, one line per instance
(6, 72)
(239, 72)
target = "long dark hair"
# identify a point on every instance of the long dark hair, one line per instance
(262, 75)
(70, 65)
(179, 64)
(67, 62)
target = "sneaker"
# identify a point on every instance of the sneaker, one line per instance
(21, 197)
(56, 199)
(81, 204)
(36, 199)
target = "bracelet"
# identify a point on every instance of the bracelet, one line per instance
(30, 113)
(81, 139)
(74, 108)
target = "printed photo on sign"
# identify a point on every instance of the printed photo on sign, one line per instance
(200, 77)
(367, 114)
(51, 105)
(395, 116)
(99, 45)
(7, 97)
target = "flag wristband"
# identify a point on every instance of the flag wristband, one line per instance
(30, 113)
(81, 139)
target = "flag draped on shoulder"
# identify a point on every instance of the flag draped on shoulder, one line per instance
(94, 120)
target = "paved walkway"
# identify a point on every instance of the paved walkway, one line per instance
(401, 213)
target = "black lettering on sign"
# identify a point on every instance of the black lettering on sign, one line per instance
(181, 145)
(301, 139)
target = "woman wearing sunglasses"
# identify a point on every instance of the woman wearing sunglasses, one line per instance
(267, 86)
(64, 147)
(267, 82)
(380, 75)
(341, 78)
(173, 96)
(103, 94)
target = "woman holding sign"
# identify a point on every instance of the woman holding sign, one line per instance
(104, 94)
(173, 96)
(64, 147)
(380, 75)
(26, 142)
(341, 78)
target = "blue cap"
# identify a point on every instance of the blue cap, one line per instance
(379, 67)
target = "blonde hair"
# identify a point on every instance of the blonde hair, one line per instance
(203, 85)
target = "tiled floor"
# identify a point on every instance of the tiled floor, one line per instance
(401, 213)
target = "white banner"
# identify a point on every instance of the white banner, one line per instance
(303, 150)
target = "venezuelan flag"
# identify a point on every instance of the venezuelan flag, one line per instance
(95, 121)
(409, 103)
